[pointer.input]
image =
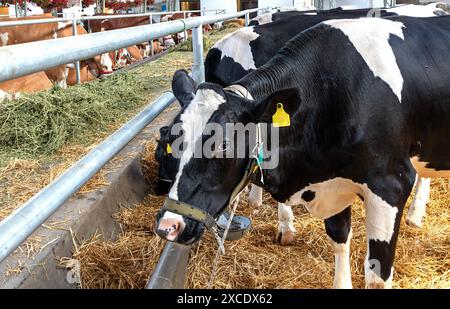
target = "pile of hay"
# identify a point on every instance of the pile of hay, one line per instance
(43, 122)
(256, 261)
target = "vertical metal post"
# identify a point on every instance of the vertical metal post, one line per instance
(25, 8)
(77, 64)
(89, 26)
(152, 50)
(145, 6)
(247, 19)
(198, 69)
(185, 31)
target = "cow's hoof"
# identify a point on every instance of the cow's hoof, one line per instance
(285, 238)
(414, 222)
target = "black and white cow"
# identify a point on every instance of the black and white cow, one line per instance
(249, 48)
(405, 10)
(271, 17)
(269, 38)
(369, 105)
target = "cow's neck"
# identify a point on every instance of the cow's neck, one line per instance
(306, 147)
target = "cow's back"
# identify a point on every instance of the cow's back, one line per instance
(28, 33)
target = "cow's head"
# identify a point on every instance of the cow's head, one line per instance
(101, 65)
(167, 161)
(209, 171)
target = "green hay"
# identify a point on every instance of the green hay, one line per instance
(43, 122)
(186, 46)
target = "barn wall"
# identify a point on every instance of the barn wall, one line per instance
(354, 3)
(285, 3)
(229, 5)
(275, 3)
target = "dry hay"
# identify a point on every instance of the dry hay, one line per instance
(150, 166)
(422, 261)
(234, 23)
(21, 179)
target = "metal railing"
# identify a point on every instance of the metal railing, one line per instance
(74, 20)
(95, 17)
(15, 62)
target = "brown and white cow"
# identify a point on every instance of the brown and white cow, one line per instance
(12, 35)
(26, 84)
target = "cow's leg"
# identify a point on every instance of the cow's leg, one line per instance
(62, 82)
(255, 196)
(417, 209)
(384, 200)
(339, 230)
(286, 231)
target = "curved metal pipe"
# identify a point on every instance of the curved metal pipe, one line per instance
(170, 272)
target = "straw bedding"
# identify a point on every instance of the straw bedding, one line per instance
(256, 261)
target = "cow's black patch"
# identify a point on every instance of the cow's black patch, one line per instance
(338, 227)
(381, 257)
(308, 195)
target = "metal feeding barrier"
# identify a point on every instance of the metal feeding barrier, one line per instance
(15, 62)
(75, 20)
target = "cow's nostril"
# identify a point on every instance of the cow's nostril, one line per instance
(167, 229)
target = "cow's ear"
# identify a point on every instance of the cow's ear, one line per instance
(183, 87)
(282, 105)
(163, 133)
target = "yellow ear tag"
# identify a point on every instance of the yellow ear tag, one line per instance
(281, 118)
(168, 149)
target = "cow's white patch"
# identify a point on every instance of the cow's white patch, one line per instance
(334, 195)
(194, 119)
(380, 216)
(62, 83)
(62, 25)
(236, 45)
(255, 196)
(342, 271)
(4, 38)
(263, 19)
(417, 209)
(171, 215)
(286, 224)
(331, 197)
(416, 10)
(424, 171)
(373, 281)
(370, 36)
(106, 64)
